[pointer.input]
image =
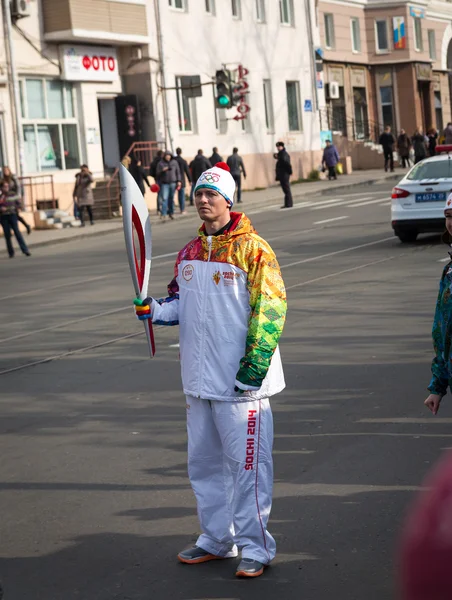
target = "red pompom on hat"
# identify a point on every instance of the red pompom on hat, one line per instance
(223, 165)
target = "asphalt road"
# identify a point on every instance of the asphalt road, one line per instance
(94, 496)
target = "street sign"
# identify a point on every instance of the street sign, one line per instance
(308, 106)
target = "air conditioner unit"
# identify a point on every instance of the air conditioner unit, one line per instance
(20, 9)
(332, 91)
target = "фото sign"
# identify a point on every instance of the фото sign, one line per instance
(89, 63)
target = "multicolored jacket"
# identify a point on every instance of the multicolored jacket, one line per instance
(229, 300)
(442, 336)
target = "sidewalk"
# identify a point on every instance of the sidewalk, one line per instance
(263, 197)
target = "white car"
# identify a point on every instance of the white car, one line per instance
(419, 198)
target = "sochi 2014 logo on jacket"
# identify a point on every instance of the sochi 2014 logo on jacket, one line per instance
(187, 272)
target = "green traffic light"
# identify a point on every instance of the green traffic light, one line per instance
(223, 100)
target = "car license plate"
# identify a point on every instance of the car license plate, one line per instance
(431, 197)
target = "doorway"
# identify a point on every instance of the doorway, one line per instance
(426, 105)
(108, 133)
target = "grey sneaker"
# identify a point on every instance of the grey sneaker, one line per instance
(249, 568)
(195, 555)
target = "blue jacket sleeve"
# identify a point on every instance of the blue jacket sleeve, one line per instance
(166, 310)
(440, 374)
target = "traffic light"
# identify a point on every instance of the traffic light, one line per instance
(223, 89)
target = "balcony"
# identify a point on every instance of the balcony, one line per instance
(95, 21)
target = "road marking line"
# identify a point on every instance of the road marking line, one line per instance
(330, 220)
(364, 203)
(387, 203)
(445, 259)
(375, 262)
(335, 253)
(55, 287)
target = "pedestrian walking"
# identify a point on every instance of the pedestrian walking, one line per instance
(10, 204)
(215, 158)
(283, 173)
(432, 135)
(387, 141)
(236, 166)
(330, 159)
(169, 176)
(419, 146)
(403, 148)
(229, 300)
(197, 166)
(448, 134)
(14, 188)
(153, 173)
(83, 193)
(138, 172)
(184, 174)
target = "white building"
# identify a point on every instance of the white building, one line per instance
(82, 65)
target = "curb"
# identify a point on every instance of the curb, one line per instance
(295, 193)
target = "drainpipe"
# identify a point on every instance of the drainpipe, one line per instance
(162, 76)
(13, 89)
(315, 99)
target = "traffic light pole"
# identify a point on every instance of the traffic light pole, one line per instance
(162, 76)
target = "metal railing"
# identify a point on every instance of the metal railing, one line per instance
(38, 192)
(360, 130)
(143, 151)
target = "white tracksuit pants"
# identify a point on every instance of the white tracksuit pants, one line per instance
(231, 472)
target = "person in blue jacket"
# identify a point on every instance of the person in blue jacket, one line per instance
(442, 327)
(330, 159)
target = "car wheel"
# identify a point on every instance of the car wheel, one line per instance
(407, 236)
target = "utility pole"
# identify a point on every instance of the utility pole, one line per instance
(13, 84)
(162, 75)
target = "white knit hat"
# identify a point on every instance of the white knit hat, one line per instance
(218, 178)
(448, 202)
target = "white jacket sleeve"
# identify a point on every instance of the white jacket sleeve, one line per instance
(165, 311)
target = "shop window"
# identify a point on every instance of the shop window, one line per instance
(381, 34)
(418, 45)
(210, 7)
(236, 9)
(361, 126)
(387, 110)
(50, 129)
(286, 12)
(330, 41)
(186, 108)
(293, 105)
(338, 113)
(432, 44)
(356, 35)
(439, 112)
(268, 104)
(260, 11)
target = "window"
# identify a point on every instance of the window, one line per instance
(418, 45)
(360, 109)
(286, 12)
(330, 42)
(177, 4)
(432, 44)
(210, 7)
(431, 170)
(356, 35)
(293, 105)
(50, 129)
(381, 34)
(185, 109)
(438, 111)
(236, 9)
(387, 112)
(260, 11)
(268, 105)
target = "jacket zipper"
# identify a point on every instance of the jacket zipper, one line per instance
(203, 309)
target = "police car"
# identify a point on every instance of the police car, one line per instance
(418, 199)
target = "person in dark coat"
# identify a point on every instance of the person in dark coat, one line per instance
(387, 141)
(419, 146)
(403, 148)
(215, 158)
(14, 188)
(432, 135)
(9, 206)
(184, 173)
(139, 174)
(330, 159)
(83, 194)
(235, 163)
(283, 173)
(169, 176)
(153, 173)
(197, 166)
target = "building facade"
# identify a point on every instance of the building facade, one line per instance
(385, 63)
(97, 75)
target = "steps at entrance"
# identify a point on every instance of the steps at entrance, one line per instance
(101, 205)
(364, 155)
